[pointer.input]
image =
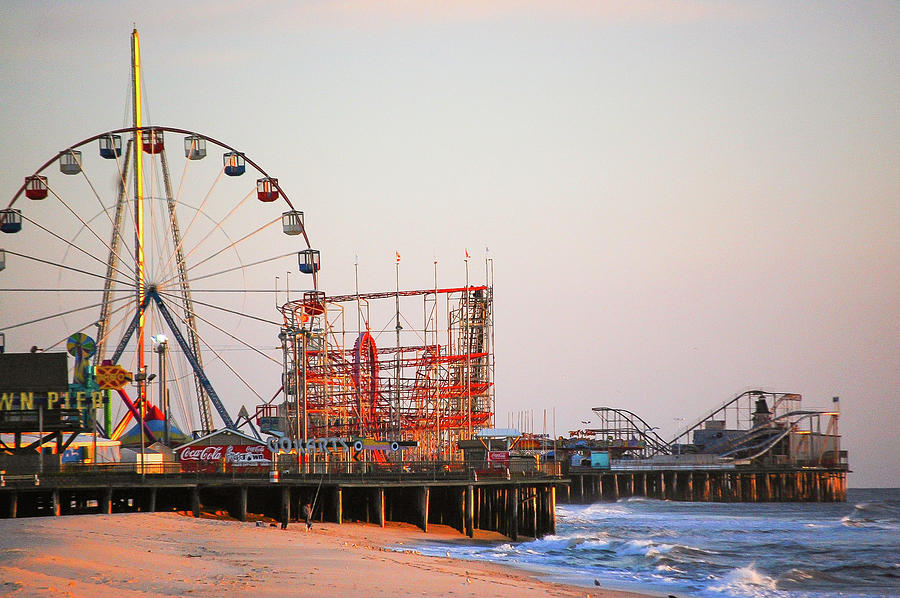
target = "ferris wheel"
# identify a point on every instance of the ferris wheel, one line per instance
(162, 244)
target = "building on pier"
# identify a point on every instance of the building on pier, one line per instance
(758, 446)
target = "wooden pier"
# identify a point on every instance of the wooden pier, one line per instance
(515, 508)
(723, 485)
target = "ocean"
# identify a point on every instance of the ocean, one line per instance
(790, 550)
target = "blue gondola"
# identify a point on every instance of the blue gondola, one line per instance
(308, 261)
(10, 220)
(235, 165)
(110, 146)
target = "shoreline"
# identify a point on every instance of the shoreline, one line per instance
(132, 554)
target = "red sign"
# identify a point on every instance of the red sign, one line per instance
(218, 457)
(498, 457)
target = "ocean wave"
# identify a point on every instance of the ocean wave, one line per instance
(883, 515)
(638, 499)
(864, 574)
(642, 548)
(804, 579)
(605, 509)
(550, 544)
(745, 581)
(595, 544)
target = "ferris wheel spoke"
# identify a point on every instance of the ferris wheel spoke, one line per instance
(85, 224)
(225, 361)
(83, 328)
(197, 213)
(59, 265)
(233, 337)
(76, 247)
(172, 297)
(51, 316)
(180, 267)
(130, 305)
(120, 196)
(234, 268)
(235, 243)
(219, 227)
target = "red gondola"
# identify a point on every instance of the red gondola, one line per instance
(267, 189)
(35, 187)
(152, 140)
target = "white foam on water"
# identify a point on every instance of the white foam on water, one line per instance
(746, 581)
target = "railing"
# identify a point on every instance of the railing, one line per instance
(332, 471)
(19, 480)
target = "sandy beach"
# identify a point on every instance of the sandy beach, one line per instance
(169, 554)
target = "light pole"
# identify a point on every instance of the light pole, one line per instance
(162, 344)
(678, 421)
(140, 379)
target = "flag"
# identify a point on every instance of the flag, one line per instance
(398, 256)
(467, 254)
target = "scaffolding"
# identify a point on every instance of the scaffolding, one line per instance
(424, 379)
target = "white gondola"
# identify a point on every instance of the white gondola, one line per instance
(194, 147)
(292, 222)
(70, 162)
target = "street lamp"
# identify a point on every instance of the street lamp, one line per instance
(142, 379)
(678, 421)
(162, 344)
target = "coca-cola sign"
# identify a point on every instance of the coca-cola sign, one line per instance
(212, 457)
(201, 453)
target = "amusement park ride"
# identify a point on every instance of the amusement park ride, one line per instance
(178, 261)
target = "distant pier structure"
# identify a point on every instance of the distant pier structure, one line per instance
(757, 447)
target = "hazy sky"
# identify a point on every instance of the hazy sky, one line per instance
(683, 200)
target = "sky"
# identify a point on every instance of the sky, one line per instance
(682, 200)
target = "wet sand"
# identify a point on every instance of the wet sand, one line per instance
(168, 554)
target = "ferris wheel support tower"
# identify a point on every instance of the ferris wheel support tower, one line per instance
(138, 196)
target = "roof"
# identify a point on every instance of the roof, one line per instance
(498, 433)
(83, 439)
(231, 436)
